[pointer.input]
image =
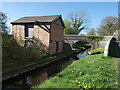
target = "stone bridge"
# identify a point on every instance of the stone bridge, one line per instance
(111, 47)
(71, 39)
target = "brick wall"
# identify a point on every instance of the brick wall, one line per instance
(60, 44)
(52, 47)
(42, 35)
(57, 32)
(36, 31)
(18, 32)
(56, 36)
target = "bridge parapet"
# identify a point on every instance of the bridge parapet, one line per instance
(106, 38)
(79, 37)
(74, 37)
(71, 39)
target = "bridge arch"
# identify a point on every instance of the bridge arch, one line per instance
(80, 43)
(112, 48)
(72, 39)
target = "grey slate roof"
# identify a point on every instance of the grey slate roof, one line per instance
(37, 18)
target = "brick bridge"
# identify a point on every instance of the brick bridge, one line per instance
(71, 39)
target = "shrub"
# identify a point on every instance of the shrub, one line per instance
(15, 56)
(94, 38)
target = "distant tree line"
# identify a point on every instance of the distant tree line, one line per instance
(78, 22)
(3, 23)
(108, 27)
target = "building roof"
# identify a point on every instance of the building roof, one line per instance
(36, 18)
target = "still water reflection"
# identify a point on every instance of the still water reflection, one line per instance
(81, 55)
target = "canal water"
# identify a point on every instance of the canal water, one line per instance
(35, 77)
(81, 55)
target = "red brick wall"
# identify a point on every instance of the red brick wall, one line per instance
(18, 32)
(60, 46)
(57, 32)
(36, 32)
(52, 47)
(56, 36)
(42, 35)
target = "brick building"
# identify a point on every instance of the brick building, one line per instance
(49, 30)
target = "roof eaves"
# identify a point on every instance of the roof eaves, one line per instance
(20, 22)
(17, 21)
(56, 18)
(61, 20)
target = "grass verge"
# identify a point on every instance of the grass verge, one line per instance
(93, 71)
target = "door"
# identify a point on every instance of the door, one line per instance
(29, 30)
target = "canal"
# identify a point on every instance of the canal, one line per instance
(34, 77)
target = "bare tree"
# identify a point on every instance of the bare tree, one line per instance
(79, 21)
(68, 29)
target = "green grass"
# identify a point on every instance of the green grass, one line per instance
(98, 50)
(93, 71)
(15, 56)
